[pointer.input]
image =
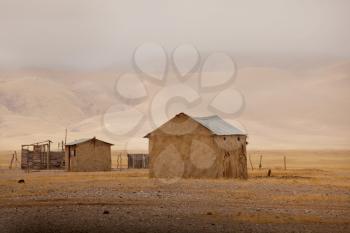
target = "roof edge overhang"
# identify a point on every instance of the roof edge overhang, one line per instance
(194, 119)
(80, 141)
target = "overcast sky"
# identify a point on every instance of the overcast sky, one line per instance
(293, 60)
(85, 35)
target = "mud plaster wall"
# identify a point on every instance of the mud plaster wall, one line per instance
(90, 156)
(196, 152)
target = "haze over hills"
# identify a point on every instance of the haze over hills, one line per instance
(58, 67)
(283, 110)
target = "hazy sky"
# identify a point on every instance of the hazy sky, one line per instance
(102, 34)
(59, 61)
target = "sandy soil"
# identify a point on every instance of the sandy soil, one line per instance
(302, 200)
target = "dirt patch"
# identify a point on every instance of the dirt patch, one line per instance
(286, 202)
(282, 177)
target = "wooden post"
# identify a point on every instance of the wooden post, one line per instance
(48, 155)
(251, 164)
(285, 162)
(44, 159)
(16, 159)
(13, 157)
(260, 165)
(65, 138)
(120, 161)
(68, 165)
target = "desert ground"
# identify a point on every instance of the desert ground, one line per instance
(312, 195)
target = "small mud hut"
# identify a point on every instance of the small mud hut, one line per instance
(138, 160)
(198, 147)
(88, 155)
(39, 156)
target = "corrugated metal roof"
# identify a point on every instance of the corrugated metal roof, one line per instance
(218, 126)
(79, 141)
(75, 142)
(213, 123)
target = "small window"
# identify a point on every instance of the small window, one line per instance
(224, 138)
(238, 139)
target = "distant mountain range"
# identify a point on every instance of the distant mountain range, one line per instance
(284, 109)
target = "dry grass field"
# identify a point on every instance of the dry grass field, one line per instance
(312, 195)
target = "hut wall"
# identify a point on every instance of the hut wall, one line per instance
(90, 156)
(234, 155)
(197, 156)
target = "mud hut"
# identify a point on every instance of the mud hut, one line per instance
(198, 147)
(39, 156)
(88, 155)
